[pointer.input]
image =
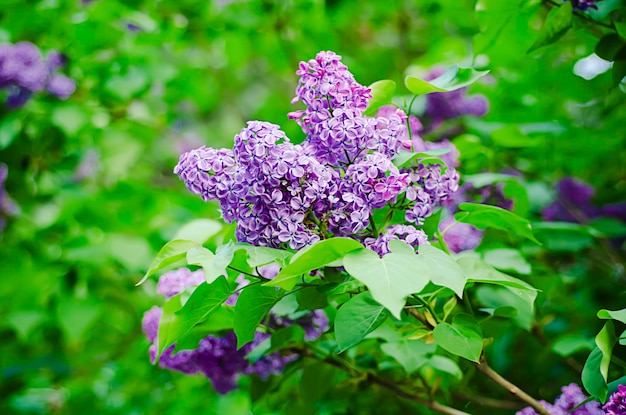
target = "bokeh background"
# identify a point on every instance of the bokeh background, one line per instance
(90, 196)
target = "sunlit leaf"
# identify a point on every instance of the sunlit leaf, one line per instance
(314, 257)
(463, 337)
(390, 279)
(172, 253)
(452, 79)
(382, 93)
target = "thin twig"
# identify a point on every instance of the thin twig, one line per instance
(484, 368)
(488, 402)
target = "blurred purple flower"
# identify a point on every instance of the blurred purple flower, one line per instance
(443, 106)
(217, 356)
(61, 86)
(583, 5)
(174, 282)
(570, 397)
(573, 202)
(461, 236)
(24, 71)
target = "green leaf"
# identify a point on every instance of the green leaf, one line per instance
(262, 255)
(559, 20)
(286, 337)
(69, 118)
(314, 257)
(442, 364)
(619, 66)
(485, 216)
(126, 86)
(462, 338)
(23, 322)
(203, 257)
(452, 79)
(619, 315)
(173, 252)
(592, 377)
(213, 265)
(199, 230)
(310, 298)
(510, 136)
(219, 320)
(76, 316)
(406, 158)
(608, 46)
(605, 340)
(178, 321)
(317, 380)
(502, 311)
(570, 344)
(563, 236)
(10, 127)
(252, 306)
(382, 94)
(478, 271)
(356, 318)
(442, 269)
(390, 278)
(501, 300)
(411, 354)
(507, 260)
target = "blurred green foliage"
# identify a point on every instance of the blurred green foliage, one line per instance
(92, 175)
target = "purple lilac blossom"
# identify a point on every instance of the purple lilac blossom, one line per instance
(583, 5)
(616, 405)
(573, 202)
(570, 397)
(443, 106)
(461, 236)
(23, 71)
(174, 282)
(217, 357)
(413, 237)
(285, 195)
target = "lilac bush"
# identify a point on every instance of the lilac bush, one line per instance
(24, 71)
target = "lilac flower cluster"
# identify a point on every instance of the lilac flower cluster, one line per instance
(583, 5)
(443, 106)
(571, 397)
(616, 405)
(573, 204)
(217, 357)
(23, 71)
(280, 194)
